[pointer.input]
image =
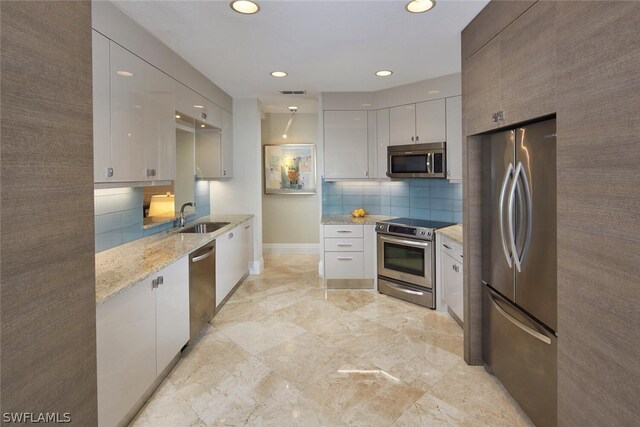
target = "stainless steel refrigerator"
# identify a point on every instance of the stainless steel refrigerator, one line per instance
(519, 266)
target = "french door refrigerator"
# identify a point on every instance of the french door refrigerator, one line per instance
(519, 265)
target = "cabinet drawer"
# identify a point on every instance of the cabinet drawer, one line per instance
(344, 265)
(343, 231)
(343, 245)
(452, 248)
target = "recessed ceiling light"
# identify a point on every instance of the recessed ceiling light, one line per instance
(384, 73)
(178, 116)
(124, 73)
(245, 7)
(201, 126)
(278, 74)
(419, 6)
(293, 108)
(198, 106)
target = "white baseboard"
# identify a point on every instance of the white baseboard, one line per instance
(290, 248)
(257, 267)
(321, 268)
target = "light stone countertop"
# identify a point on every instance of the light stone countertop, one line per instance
(350, 220)
(453, 232)
(119, 268)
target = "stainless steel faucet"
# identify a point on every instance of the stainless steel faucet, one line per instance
(182, 220)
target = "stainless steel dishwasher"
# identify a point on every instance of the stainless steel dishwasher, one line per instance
(202, 287)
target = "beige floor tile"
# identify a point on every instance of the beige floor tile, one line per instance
(304, 360)
(363, 395)
(284, 351)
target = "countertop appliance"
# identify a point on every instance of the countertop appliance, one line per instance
(202, 287)
(519, 266)
(406, 259)
(417, 160)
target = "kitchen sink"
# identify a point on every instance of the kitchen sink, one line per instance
(204, 227)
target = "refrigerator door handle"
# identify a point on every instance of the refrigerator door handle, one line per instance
(517, 323)
(512, 237)
(503, 190)
(529, 206)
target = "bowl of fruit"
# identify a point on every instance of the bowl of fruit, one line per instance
(358, 213)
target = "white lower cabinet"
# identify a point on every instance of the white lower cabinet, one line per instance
(233, 254)
(138, 332)
(349, 252)
(452, 277)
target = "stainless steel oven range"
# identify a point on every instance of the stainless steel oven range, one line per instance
(406, 259)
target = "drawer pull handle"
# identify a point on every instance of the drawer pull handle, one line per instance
(345, 259)
(446, 246)
(344, 231)
(344, 245)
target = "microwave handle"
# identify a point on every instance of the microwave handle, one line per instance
(429, 163)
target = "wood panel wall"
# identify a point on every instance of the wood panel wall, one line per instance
(598, 166)
(47, 273)
(598, 99)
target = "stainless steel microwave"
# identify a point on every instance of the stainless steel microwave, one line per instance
(417, 160)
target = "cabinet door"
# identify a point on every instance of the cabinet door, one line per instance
(430, 121)
(129, 123)
(224, 266)
(382, 134)
(101, 108)
(452, 283)
(189, 102)
(208, 153)
(172, 312)
(161, 127)
(344, 265)
(372, 145)
(214, 114)
(454, 138)
(481, 88)
(247, 247)
(402, 125)
(527, 63)
(227, 144)
(126, 350)
(345, 144)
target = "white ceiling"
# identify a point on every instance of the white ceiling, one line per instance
(324, 45)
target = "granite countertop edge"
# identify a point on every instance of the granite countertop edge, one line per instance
(350, 220)
(119, 268)
(453, 232)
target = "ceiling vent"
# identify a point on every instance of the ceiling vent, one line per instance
(293, 92)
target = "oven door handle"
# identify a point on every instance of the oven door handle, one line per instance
(405, 290)
(405, 242)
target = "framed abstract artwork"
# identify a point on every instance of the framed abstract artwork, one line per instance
(290, 169)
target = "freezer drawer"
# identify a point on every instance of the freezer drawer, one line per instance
(523, 355)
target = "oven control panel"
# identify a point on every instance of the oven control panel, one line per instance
(403, 230)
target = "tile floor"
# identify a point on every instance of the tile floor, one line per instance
(284, 351)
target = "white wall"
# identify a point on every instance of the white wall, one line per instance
(291, 221)
(243, 193)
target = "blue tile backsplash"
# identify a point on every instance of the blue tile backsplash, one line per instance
(434, 199)
(118, 215)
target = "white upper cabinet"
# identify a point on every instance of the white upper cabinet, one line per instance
(417, 123)
(227, 144)
(382, 136)
(402, 125)
(345, 144)
(454, 138)
(101, 108)
(196, 106)
(142, 119)
(430, 121)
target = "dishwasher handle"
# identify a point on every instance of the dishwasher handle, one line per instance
(203, 256)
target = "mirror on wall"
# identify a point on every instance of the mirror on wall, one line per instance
(162, 202)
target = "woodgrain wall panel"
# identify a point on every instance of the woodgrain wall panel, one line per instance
(490, 21)
(47, 275)
(598, 213)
